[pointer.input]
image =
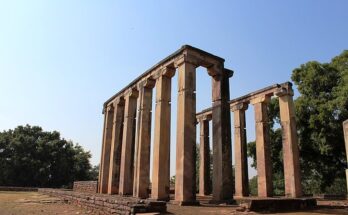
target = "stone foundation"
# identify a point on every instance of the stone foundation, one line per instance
(85, 186)
(277, 204)
(107, 204)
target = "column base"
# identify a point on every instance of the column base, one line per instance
(185, 203)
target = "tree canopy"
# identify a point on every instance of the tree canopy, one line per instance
(30, 156)
(320, 110)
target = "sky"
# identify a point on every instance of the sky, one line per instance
(61, 59)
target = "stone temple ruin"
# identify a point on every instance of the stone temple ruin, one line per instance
(125, 160)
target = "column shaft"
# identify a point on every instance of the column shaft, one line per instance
(116, 146)
(101, 156)
(222, 152)
(143, 142)
(161, 152)
(240, 146)
(263, 154)
(185, 178)
(106, 150)
(292, 173)
(204, 159)
(128, 140)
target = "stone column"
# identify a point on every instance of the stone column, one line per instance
(222, 152)
(102, 153)
(106, 149)
(240, 148)
(204, 156)
(185, 178)
(263, 154)
(143, 140)
(128, 140)
(345, 130)
(116, 146)
(161, 150)
(292, 172)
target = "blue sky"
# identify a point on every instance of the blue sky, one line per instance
(60, 60)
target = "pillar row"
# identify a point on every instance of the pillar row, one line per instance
(128, 141)
(292, 173)
(185, 178)
(116, 146)
(240, 151)
(161, 152)
(143, 140)
(204, 156)
(263, 154)
(104, 176)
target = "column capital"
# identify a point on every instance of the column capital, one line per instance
(240, 106)
(206, 117)
(110, 108)
(147, 83)
(284, 91)
(118, 101)
(131, 92)
(187, 58)
(260, 99)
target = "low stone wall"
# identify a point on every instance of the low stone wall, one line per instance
(107, 204)
(85, 186)
(18, 189)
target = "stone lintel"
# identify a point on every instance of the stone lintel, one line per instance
(202, 118)
(260, 99)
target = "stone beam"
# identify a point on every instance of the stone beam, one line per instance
(202, 58)
(116, 146)
(128, 140)
(267, 91)
(161, 151)
(240, 150)
(263, 154)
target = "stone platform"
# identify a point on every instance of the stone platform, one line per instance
(107, 204)
(277, 204)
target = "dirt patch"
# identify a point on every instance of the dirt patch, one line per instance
(33, 203)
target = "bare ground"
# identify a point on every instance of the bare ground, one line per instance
(33, 203)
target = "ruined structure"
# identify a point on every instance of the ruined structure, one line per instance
(125, 160)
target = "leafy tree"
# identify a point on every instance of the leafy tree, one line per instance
(30, 156)
(320, 110)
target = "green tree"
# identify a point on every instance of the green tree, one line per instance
(320, 110)
(30, 156)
